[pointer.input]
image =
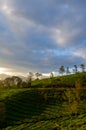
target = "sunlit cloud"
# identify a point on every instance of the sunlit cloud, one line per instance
(6, 9)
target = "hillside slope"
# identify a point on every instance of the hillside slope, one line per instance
(65, 81)
(43, 109)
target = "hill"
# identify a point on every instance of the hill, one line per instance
(66, 81)
(43, 109)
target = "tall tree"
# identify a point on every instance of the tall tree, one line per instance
(51, 75)
(29, 79)
(75, 69)
(62, 70)
(67, 70)
(82, 67)
(38, 75)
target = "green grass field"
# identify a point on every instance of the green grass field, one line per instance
(43, 109)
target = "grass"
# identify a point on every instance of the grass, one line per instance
(42, 109)
(65, 81)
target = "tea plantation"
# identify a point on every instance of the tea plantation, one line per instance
(43, 109)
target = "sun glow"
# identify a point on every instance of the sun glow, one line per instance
(2, 70)
(6, 9)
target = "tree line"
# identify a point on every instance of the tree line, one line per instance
(17, 82)
(62, 69)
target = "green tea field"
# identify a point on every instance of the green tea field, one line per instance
(43, 109)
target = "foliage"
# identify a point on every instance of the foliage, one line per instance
(66, 81)
(61, 69)
(82, 67)
(67, 70)
(38, 75)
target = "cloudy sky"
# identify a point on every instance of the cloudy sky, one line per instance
(41, 35)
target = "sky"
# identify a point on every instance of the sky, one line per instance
(41, 35)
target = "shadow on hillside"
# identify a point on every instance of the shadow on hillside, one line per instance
(2, 112)
(23, 105)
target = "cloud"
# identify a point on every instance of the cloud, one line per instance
(81, 53)
(38, 35)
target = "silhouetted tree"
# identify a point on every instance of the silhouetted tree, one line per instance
(62, 70)
(82, 67)
(51, 75)
(67, 70)
(38, 75)
(75, 69)
(29, 79)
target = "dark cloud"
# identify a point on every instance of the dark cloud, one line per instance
(42, 35)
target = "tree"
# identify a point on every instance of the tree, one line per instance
(38, 75)
(75, 69)
(17, 81)
(13, 81)
(7, 82)
(67, 70)
(29, 79)
(82, 67)
(61, 69)
(24, 84)
(51, 75)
